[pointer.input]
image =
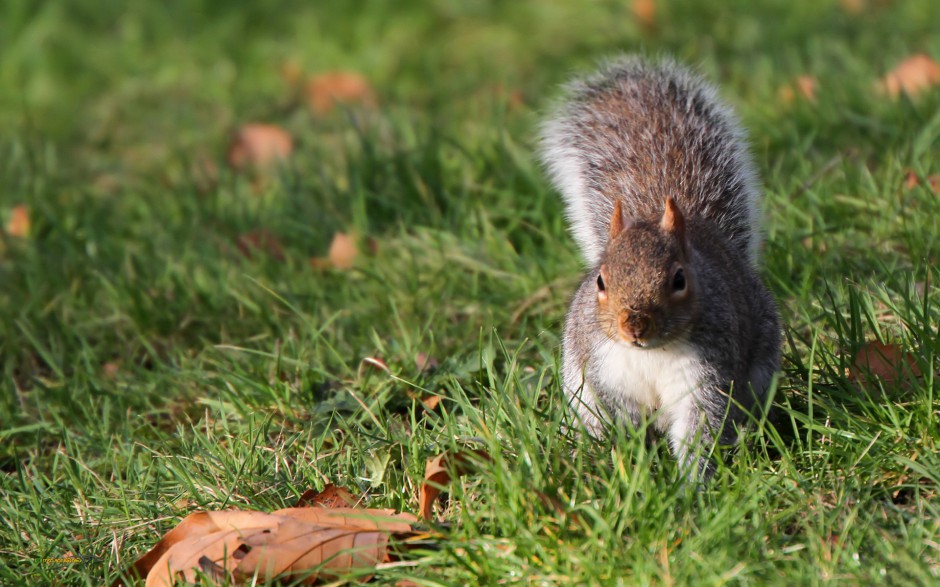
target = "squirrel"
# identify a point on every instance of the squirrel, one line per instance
(672, 321)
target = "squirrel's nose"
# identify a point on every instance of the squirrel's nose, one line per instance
(634, 326)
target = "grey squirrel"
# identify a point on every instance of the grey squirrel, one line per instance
(672, 320)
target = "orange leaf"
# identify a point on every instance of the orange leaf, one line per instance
(111, 369)
(912, 76)
(853, 6)
(332, 496)
(338, 87)
(425, 362)
(644, 11)
(934, 182)
(18, 224)
(430, 402)
(259, 147)
(437, 475)
(343, 252)
(237, 545)
(887, 362)
(803, 86)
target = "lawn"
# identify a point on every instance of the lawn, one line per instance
(169, 341)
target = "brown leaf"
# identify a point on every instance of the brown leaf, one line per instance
(111, 369)
(885, 362)
(18, 224)
(425, 362)
(437, 475)
(644, 11)
(430, 402)
(911, 180)
(237, 545)
(332, 496)
(342, 254)
(803, 87)
(259, 147)
(853, 7)
(338, 87)
(343, 251)
(261, 240)
(934, 182)
(912, 76)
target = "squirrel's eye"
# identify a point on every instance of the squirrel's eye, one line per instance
(678, 280)
(600, 283)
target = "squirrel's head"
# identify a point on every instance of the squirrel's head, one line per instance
(645, 286)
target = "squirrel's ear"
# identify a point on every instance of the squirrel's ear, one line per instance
(616, 220)
(672, 219)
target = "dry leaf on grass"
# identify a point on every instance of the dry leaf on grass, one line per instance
(338, 87)
(259, 147)
(911, 180)
(430, 401)
(803, 87)
(306, 543)
(878, 361)
(440, 470)
(332, 496)
(18, 224)
(425, 362)
(853, 6)
(912, 76)
(342, 254)
(644, 11)
(111, 369)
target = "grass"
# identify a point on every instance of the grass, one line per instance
(149, 369)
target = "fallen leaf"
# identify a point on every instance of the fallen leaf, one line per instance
(934, 182)
(338, 87)
(803, 87)
(885, 362)
(644, 11)
(853, 6)
(430, 402)
(911, 180)
(308, 543)
(424, 362)
(111, 369)
(912, 76)
(343, 252)
(18, 224)
(261, 240)
(332, 496)
(440, 470)
(259, 147)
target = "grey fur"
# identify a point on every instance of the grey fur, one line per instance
(640, 132)
(618, 132)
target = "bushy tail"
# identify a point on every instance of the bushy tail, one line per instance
(643, 131)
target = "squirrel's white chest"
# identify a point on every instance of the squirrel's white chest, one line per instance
(650, 378)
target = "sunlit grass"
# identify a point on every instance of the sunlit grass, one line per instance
(149, 368)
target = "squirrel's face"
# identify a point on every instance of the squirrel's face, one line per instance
(645, 287)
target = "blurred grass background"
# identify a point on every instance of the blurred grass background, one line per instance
(150, 368)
